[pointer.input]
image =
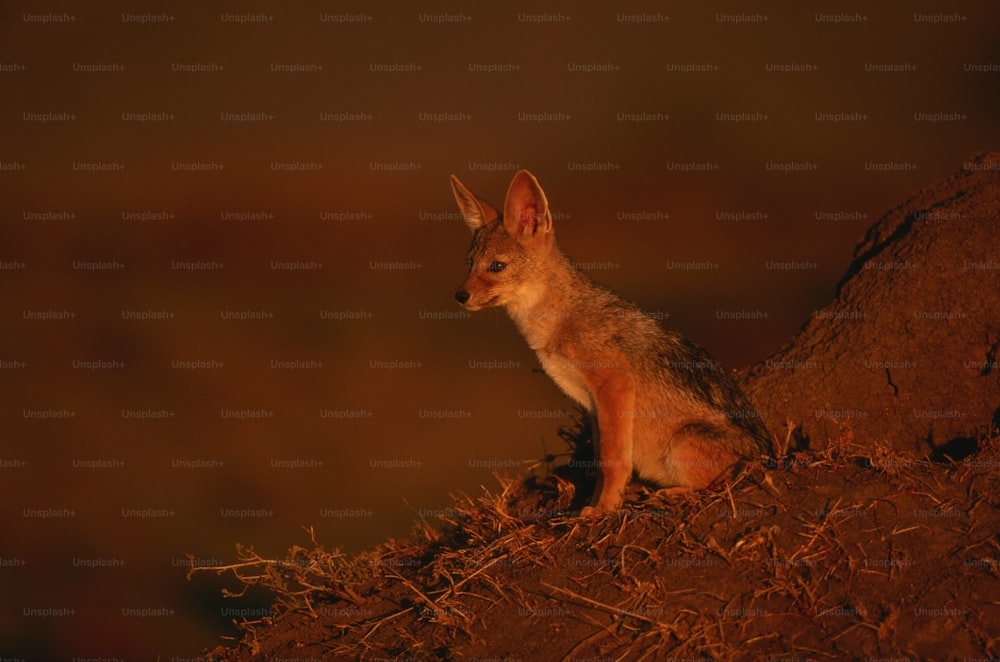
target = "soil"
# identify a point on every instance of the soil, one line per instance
(907, 354)
(838, 557)
(875, 534)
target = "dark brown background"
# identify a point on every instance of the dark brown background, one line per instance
(355, 220)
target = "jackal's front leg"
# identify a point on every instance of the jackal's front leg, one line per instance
(615, 411)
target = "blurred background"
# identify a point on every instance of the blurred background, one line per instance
(228, 250)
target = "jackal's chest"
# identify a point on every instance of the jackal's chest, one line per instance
(567, 375)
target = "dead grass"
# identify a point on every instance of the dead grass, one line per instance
(851, 553)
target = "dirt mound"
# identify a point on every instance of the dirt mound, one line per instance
(836, 556)
(907, 354)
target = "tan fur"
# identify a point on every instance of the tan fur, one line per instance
(661, 406)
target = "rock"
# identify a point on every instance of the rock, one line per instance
(907, 354)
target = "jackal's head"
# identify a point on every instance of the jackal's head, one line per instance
(508, 251)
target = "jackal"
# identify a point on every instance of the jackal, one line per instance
(660, 404)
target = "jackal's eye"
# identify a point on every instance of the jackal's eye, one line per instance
(496, 266)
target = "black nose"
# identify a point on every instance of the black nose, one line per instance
(462, 296)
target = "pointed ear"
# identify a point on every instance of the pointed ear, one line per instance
(475, 212)
(526, 211)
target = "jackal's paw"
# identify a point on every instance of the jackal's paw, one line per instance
(599, 509)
